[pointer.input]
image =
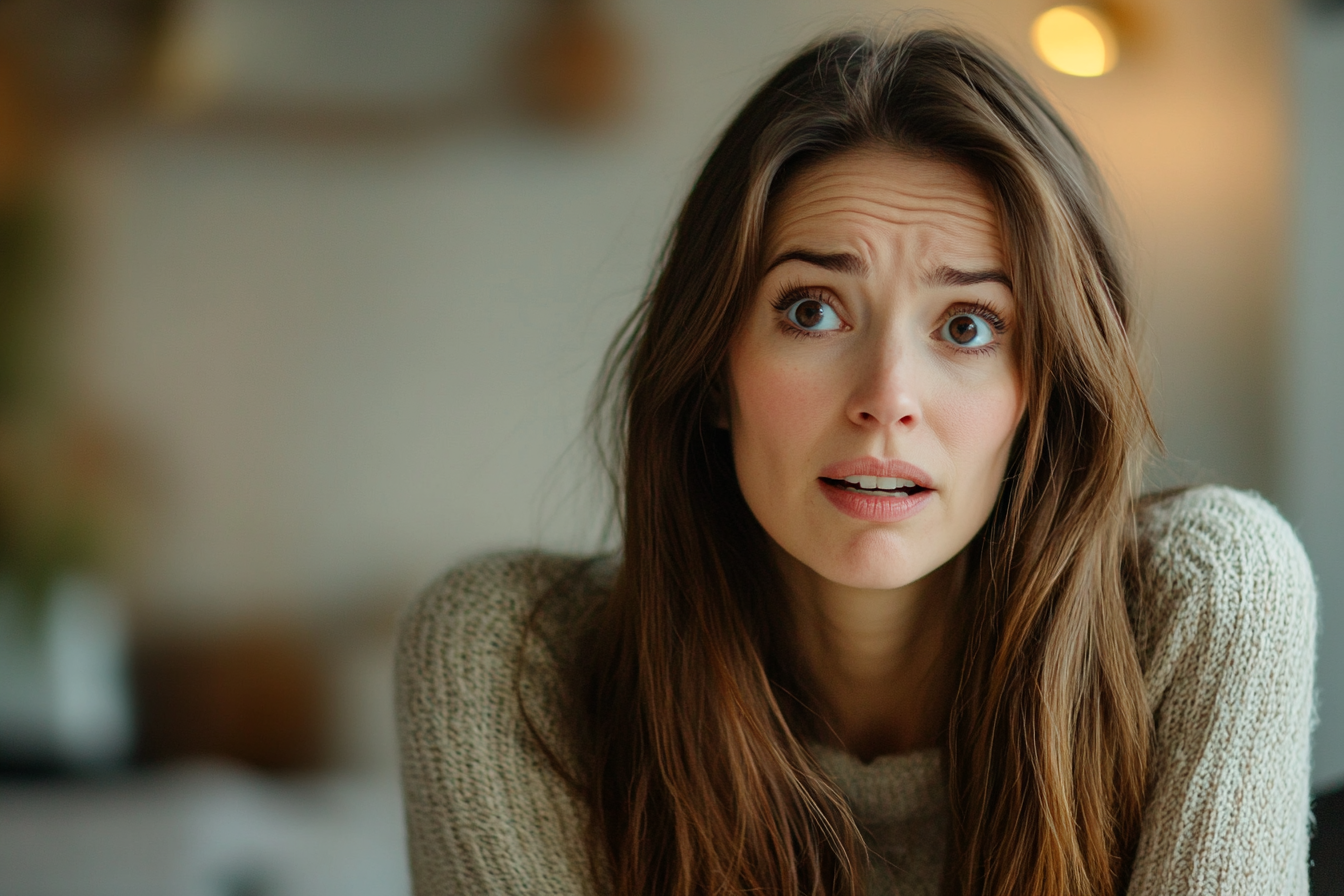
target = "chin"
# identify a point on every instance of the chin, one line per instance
(874, 569)
(874, 580)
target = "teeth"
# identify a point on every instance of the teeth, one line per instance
(888, 483)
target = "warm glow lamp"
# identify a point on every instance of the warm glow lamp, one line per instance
(1076, 40)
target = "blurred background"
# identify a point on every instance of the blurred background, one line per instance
(301, 302)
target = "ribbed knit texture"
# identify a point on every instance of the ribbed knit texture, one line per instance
(1225, 628)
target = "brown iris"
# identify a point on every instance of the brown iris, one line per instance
(963, 329)
(809, 313)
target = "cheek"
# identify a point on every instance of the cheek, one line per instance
(978, 425)
(775, 404)
(779, 413)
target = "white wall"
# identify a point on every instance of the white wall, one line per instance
(356, 362)
(1314, 477)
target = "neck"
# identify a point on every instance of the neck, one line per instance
(878, 659)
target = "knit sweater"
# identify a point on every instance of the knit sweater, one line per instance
(1225, 629)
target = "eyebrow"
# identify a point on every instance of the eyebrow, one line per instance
(947, 276)
(847, 263)
(840, 262)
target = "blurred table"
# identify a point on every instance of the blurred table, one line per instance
(203, 830)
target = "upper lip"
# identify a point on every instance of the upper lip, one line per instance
(876, 466)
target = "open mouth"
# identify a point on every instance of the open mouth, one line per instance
(880, 486)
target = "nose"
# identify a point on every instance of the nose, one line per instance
(885, 390)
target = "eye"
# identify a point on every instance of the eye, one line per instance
(967, 330)
(813, 315)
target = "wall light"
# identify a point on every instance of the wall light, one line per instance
(1076, 40)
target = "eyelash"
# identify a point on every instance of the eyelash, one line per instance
(791, 293)
(982, 311)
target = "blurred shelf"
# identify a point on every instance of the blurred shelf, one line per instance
(203, 830)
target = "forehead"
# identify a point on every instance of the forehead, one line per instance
(859, 199)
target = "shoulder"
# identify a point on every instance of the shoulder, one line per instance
(486, 601)
(463, 635)
(482, 724)
(1214, 525)
(1218, 566)
(495, 587)
(1224, 611)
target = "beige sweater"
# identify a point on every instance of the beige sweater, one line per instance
(1225, 634)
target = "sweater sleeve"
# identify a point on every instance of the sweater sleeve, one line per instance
(486, 812)
(1226, 632)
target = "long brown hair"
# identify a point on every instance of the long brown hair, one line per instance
(694, 716)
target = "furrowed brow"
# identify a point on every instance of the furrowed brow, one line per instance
(946, 276)
(840, 262)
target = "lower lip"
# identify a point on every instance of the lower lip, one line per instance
(875, 508)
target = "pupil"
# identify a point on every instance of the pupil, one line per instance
(809, 314)
(963, 330)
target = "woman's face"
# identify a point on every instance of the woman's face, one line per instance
(873, 391)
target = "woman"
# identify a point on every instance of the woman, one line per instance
(887, 617)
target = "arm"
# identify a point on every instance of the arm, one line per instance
(485, 813)
(1226, 629)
